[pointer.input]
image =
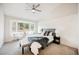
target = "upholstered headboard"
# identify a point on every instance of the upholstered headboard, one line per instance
(47, 30)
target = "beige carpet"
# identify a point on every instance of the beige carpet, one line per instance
(53, 49)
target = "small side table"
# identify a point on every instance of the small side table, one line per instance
(56, 40)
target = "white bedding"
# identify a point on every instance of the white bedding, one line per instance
(39, 35)
(34, 46)
(34, 35)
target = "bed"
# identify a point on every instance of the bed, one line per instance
(38, 41)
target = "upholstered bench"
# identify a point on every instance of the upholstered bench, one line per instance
(23, 44)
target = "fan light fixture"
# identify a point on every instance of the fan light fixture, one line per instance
(33, 11)
(34, 8)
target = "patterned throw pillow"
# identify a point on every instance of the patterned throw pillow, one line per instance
(48, 33)
(45, 34)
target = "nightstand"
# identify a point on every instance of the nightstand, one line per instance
(56, 40)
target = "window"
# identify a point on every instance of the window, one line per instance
(32, 27)
(23, 26)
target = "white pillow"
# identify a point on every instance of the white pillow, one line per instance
(50, 34)
(43, 33)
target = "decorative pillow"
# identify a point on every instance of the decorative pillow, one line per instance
(45, 34)
(53, 34)
(50, 34)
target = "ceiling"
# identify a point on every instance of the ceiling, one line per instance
(49, 10)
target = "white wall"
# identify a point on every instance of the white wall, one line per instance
(67, 27)
(1, 26)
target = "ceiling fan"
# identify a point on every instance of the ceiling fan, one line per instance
(34, 8)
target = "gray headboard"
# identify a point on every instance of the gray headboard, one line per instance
(48, 29)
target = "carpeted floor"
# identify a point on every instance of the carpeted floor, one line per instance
(53, 49)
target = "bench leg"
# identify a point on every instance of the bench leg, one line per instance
(22, 50)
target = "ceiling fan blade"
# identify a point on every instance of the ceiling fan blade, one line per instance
(38, 10)
(37, 5)
(33, 6)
